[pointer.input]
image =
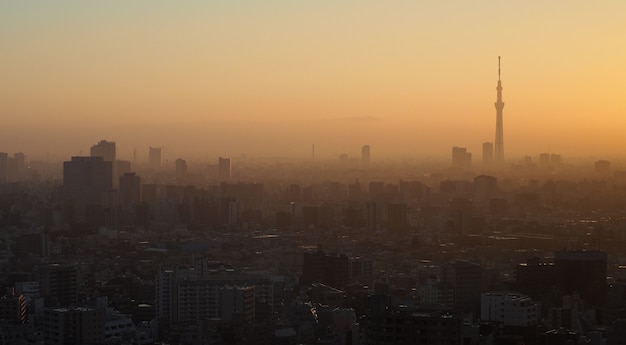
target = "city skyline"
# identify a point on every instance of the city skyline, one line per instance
(208, 79)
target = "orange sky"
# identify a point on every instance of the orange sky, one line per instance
(269, 78)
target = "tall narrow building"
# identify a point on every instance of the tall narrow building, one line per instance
(499, 147)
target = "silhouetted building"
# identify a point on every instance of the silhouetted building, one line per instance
(13, 308)
(104, 149)
(130, 189)
(154, 157)
(487, 153)
(58, 284)
(85, 180)
(465, 278)
(181, 167)
(461, 158)
(334, 270)
(224, 169)
(485, 187)
(535, 278)
(4, 167)
(592, 265)
(74, 326)
(365, 154)
(499, 147)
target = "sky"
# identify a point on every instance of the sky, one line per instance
(411, 78)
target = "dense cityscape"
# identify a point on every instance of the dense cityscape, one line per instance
(312, 173)
(347, 251)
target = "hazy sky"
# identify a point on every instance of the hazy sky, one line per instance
(269, 78)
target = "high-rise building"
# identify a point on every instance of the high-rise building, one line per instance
(499, 148)
(13, 308)
(58, 284)
(365, 154)
(224, 169)
(130, 189)
(154, 157)
(104, 149)
(466, 278)
(181, 167)
(592, 265)
(487, 153)
(85, 179)
(4, 167)
(75, 325)
(461, 158)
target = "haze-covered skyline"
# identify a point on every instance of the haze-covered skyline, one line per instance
(271, 78)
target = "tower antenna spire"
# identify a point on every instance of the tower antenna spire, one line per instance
(499, 147)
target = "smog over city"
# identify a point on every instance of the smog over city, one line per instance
(280, 172)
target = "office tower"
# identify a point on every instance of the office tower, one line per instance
(181, 167)
(13, 308)
(487, 153)
(130, 189)
(571, 266)
(85, 180)
(104, 149)
(75, 325)
(365, 154)
(4, 167)
(499, 148)
(224, 169)
(58, 284)
(555, 159)
(154, 157)
(465, 278)
(461, 158)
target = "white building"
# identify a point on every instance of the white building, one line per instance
(195, 293)
(509, 308)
